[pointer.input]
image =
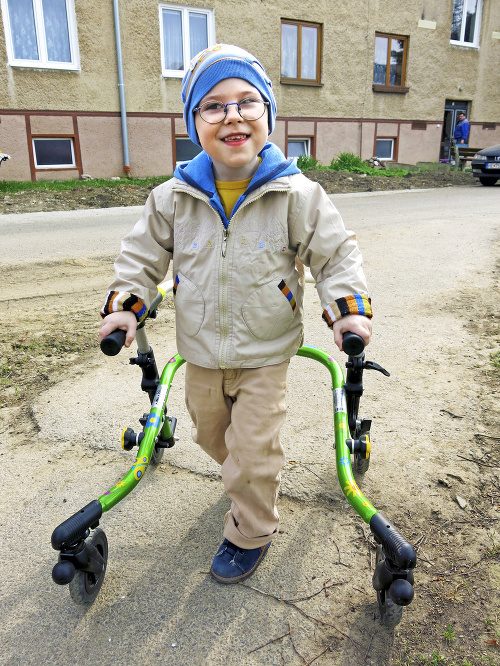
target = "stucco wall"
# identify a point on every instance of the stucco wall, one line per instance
(13, 142)
(101, 146)
(436, 70)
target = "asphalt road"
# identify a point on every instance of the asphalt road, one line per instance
(425, 253)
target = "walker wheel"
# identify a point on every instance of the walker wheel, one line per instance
(85, 586)
(390, 613)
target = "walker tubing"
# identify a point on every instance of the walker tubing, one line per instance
(396, 548)
(343, 456)
(151, 432)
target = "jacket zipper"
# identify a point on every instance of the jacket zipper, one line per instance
(224, 327)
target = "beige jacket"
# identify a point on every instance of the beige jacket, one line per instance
(238, 299)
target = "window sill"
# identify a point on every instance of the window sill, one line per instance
(390, 89)
(44, 67)
(464, 45)
(297, 82)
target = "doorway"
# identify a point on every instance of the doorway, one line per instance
(451, 110)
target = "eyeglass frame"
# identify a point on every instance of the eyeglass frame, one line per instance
(262, 101)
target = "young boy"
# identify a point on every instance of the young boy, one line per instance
(233, 220)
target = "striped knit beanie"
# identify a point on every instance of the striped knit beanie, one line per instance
(214, 64)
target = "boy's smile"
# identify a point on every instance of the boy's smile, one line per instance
(234, 143)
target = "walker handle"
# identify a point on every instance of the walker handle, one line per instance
(111, 345)
(352, 344)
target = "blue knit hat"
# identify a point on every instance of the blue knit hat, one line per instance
(214, 64)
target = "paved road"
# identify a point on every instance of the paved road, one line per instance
(61, 235)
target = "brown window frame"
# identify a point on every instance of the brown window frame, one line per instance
(387, 87)
(299, 80)
(394, 139)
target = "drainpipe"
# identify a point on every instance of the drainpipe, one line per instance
(121, 87)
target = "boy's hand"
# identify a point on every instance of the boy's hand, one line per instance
(354, 323)
(124, 320)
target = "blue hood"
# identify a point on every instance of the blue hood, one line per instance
(198, 173)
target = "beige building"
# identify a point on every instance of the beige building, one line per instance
(372, 77)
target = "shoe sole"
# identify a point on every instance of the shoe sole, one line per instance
(237, 579)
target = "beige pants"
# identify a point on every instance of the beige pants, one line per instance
(237, 416)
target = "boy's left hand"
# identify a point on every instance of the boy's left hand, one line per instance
(354, 323)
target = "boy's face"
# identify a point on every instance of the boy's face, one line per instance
(234, 143)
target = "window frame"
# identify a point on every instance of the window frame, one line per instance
(394, 152)
(477, 29)
(54, 167)
(182, 137)
(307, 140)
(387, 87)
(43, 62)
(300, 81)
(184, 10)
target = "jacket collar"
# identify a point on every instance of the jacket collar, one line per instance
(198, 173)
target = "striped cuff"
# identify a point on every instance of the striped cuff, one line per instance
(355, 304)
(117, 301)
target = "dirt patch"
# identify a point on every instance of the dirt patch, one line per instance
(453, 621)
(333, 182)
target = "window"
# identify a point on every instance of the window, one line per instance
(184, 32)
(298, 146)
(466, 22)
(41, 33)
(300, 52)
(185, 149)
(54, 153)
(389, 70)
(385, 148)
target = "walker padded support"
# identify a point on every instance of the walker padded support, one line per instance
(75, 528)
(396, 548)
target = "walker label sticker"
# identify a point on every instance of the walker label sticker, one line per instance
(339, 400)
(160, 396)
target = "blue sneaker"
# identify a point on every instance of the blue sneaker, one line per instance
(232, 564)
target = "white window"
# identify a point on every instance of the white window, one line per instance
(54, 153)
(41, 33)
(298, 146)
(384, 149)
(466, 22)
(185, 149)
(184, 32)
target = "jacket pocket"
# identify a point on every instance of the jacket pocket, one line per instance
(189, 305)
(269, 311)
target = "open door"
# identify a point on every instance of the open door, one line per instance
(451, 110)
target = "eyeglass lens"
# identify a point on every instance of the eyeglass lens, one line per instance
(249, 109)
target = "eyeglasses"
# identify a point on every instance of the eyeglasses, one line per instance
(215, 112)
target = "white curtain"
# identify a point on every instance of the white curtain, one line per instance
(22, 27)
(172, 39)
(55, 20)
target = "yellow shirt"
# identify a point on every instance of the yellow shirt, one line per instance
(230, 192)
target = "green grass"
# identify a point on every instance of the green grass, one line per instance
(354, 164)
(10, 187)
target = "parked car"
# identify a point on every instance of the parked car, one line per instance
(486, 165)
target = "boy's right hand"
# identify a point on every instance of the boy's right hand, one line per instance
(124, 320)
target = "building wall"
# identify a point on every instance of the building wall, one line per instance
(342, 114)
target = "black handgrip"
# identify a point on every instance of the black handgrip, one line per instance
(112, 343)
(352, 344)
(75, 528)
(396, 548)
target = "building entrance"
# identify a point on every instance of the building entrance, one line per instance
(451, 110)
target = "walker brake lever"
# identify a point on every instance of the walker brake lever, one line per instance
(370, 365)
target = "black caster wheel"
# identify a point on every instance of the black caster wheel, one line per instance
(361, 464)
(85, 585)
(390, 613)
(157, 455)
